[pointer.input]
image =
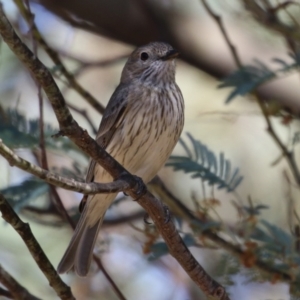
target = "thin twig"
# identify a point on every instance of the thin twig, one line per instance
(55, 58)
(61, 209)
(72, 184)
(23, 229)
(185, 212)
(43, 158)
(5, 293)
(213, 236)
(289, 155)
(219, 21)
(108, 277)
(139, 215)
(84, 113)
(85, 64)
(176, 206)
(17, 291)
(57, 202)
(59, 205)
(44, 161)
(60, 181)
(93, 63)
(80, 137)
(267, 16)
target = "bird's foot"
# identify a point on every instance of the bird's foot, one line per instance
(139, 188)
(136, 185)
(146, 217)
(167, 214)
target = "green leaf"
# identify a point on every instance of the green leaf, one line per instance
(11, 136)
(274, 238)
(16, 131)
(202, 163)
(226, 268)
(20, 195)
(255, 210)
(247, 79)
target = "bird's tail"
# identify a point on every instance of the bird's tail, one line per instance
(80, 250)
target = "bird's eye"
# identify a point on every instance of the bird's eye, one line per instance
(144, 56)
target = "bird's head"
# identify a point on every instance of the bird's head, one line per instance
(154, 63)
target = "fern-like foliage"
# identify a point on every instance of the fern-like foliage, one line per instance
(20, 195)
(249, 77)
(18, 132)
(202, 163)
(226, 267)
(277, 242)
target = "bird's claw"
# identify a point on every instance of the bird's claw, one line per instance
(136, 184)
(140, 187)
(146, 216)
(167, 214)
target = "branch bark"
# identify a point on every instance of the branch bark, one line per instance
(64, 182)
(80, 137)
(55, 58)
(289, 155)
(23, 229)
(266, 15)
(16, 291)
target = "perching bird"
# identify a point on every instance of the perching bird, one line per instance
(140, 127)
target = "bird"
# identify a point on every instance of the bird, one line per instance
(139, 128)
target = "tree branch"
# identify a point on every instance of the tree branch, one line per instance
(219, 21)
(63, 182)
(256, 9)
(212, 235)
(27, 15)
(23, 229)
(5, 293)
(80, 137)
(267, 17)
(85, 114)
(16, 291)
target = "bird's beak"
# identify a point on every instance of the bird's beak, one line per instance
(171, 54)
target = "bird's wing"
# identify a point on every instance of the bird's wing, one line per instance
(112, 118)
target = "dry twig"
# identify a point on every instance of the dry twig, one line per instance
(289, 155)
(16, 291)
(23, 229)
(60, 181)
(55, 58)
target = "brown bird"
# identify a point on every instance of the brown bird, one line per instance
(140, 127)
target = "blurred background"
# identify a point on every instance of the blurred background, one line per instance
(93, 39)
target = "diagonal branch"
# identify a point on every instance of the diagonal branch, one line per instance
(23, 229)
(210, 234)
(85, 114)
(63, 182)
(266, 15)
(80, 137)
(5, 293)
(16, 291)
(289, 155)
(55, 58)
(219, 21)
